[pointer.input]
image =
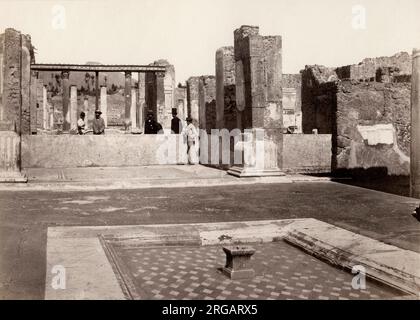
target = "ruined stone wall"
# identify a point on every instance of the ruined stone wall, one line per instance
(225, 89)
(12, 78)
(366, 108)
(373, 127)
(207, 103)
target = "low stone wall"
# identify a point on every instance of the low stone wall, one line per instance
(309, 153)
(302, 153)
(60, 151)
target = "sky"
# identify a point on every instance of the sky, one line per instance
(188, 32)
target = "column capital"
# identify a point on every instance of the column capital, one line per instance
(128, 74)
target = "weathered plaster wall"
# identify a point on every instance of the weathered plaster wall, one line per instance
(309, 153)
(366, 108)
(59, 151)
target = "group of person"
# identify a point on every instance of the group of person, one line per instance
(151, 127)
(98, 124)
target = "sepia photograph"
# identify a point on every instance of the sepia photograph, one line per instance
(232, 152)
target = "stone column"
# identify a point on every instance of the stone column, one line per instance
(97, 90)
(11, 104)
(133, 111)
(225, 89)
(192, 99)
(45, 111)
(141, 101)
(25, 114)
(160, 98)
(104, 104)
(33, 101)
(73, 108)
(127, 95)
(259, 100)
(86, 110)
(66, 96)
(207, 103)
(415, 127)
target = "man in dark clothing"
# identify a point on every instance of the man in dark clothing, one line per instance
(98, 124)
(176, 125)
(150, 126)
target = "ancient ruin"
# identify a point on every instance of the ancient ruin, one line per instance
(360, 114)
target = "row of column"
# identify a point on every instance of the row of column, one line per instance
(134, 103)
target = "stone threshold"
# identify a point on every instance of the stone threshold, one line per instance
(91, 273)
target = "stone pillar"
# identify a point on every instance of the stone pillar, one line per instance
(415, 127)
(127, 95)
(192, 99)
(25, 115)
(207, 103)
(33, 101)
(66, 96)
(11, 82)
(104, 105)
(73, 108)
(45, 111)
(165, 86)
(141, 101)
(97, 90)
(133, 111)
(160, 98)
(86, 110)
(225, 89)
(259, 99)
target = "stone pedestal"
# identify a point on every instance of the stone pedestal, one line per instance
(10, 158)
(415, 127)
(238, 262)
(259, 155)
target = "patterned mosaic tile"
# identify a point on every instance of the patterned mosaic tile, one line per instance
(281, 272)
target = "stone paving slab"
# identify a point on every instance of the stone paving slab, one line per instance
(164, 176)
(203, 234)
(392, 265)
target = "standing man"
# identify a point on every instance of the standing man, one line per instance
(98, 124)
(176, 125)
(191, 135)
(81, 126)
(150, 125)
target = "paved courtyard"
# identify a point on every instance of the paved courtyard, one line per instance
(25, 217)
(281, 272)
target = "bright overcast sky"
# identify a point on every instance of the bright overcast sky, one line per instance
(188, 32)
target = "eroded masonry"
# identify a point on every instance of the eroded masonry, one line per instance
(323, 119)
